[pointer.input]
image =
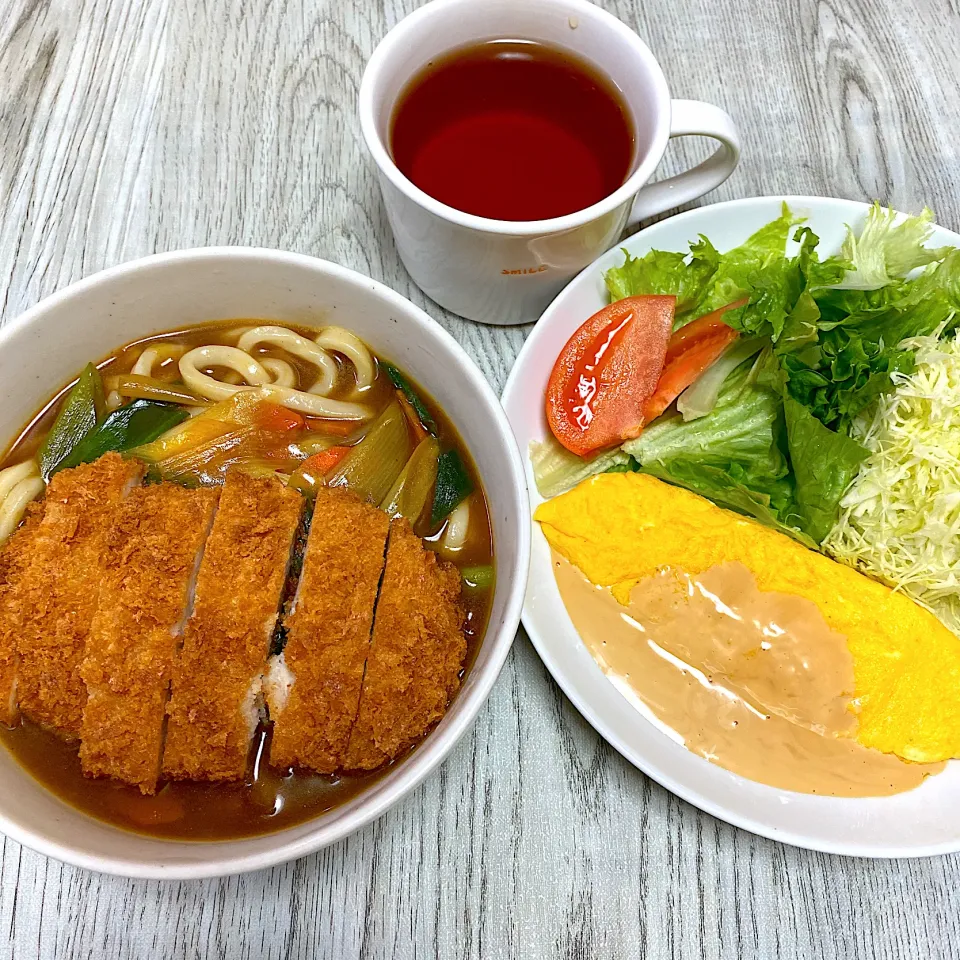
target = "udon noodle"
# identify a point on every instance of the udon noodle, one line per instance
(276, 377)
(458, 526)
(19, 485)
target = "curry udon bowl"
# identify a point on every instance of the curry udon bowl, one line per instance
(49, 345)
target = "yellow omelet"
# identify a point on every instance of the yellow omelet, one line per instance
(619, 528)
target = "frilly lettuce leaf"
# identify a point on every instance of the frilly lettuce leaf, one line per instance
(759, 270)
(886, 251)
(685, 276)
(824, 465)
(857, 348)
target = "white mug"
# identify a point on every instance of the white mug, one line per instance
(502, 271)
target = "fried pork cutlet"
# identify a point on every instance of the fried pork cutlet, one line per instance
(58, 595)
(416, 652)
(14, 556)
(214, 703)
(328, 634)
(148, 566)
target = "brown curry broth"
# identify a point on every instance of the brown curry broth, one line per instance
(266, 803)
(209, 811)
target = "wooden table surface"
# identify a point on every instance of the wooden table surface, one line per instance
(129, 127)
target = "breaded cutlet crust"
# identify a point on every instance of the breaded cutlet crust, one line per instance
(148, 564)
(227, 640)
(328, 634)
(416, 654)
(60, 588)
(14, 557)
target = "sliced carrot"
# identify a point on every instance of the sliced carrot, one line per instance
(323, 462)
(277, 418)
(333, 428)
(419, 431)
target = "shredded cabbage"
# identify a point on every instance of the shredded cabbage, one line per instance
(900, 518)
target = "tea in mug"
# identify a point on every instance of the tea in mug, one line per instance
(513, 130)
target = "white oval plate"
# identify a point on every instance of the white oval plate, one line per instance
(920, 823)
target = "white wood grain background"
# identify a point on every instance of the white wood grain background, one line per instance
(134, 126)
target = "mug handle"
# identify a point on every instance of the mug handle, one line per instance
(691, 118)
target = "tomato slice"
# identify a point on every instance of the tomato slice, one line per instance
(606, 371)
(692, 349)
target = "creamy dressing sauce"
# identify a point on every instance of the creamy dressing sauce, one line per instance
(753, 681)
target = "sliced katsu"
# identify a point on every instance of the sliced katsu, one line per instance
(214, 706)
(59, 587)
(314, 687)
(139, 619)
(14, 555)
(147, 571)
(417, 650)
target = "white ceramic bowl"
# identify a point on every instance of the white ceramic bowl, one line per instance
(48, 345)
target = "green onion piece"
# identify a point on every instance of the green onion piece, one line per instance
(411, 492)
(149, 388)
(305, 447)
(403, 384)
(82, 410)
(371, 468)
(137, 423)
(478, 577)
(453, 484)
